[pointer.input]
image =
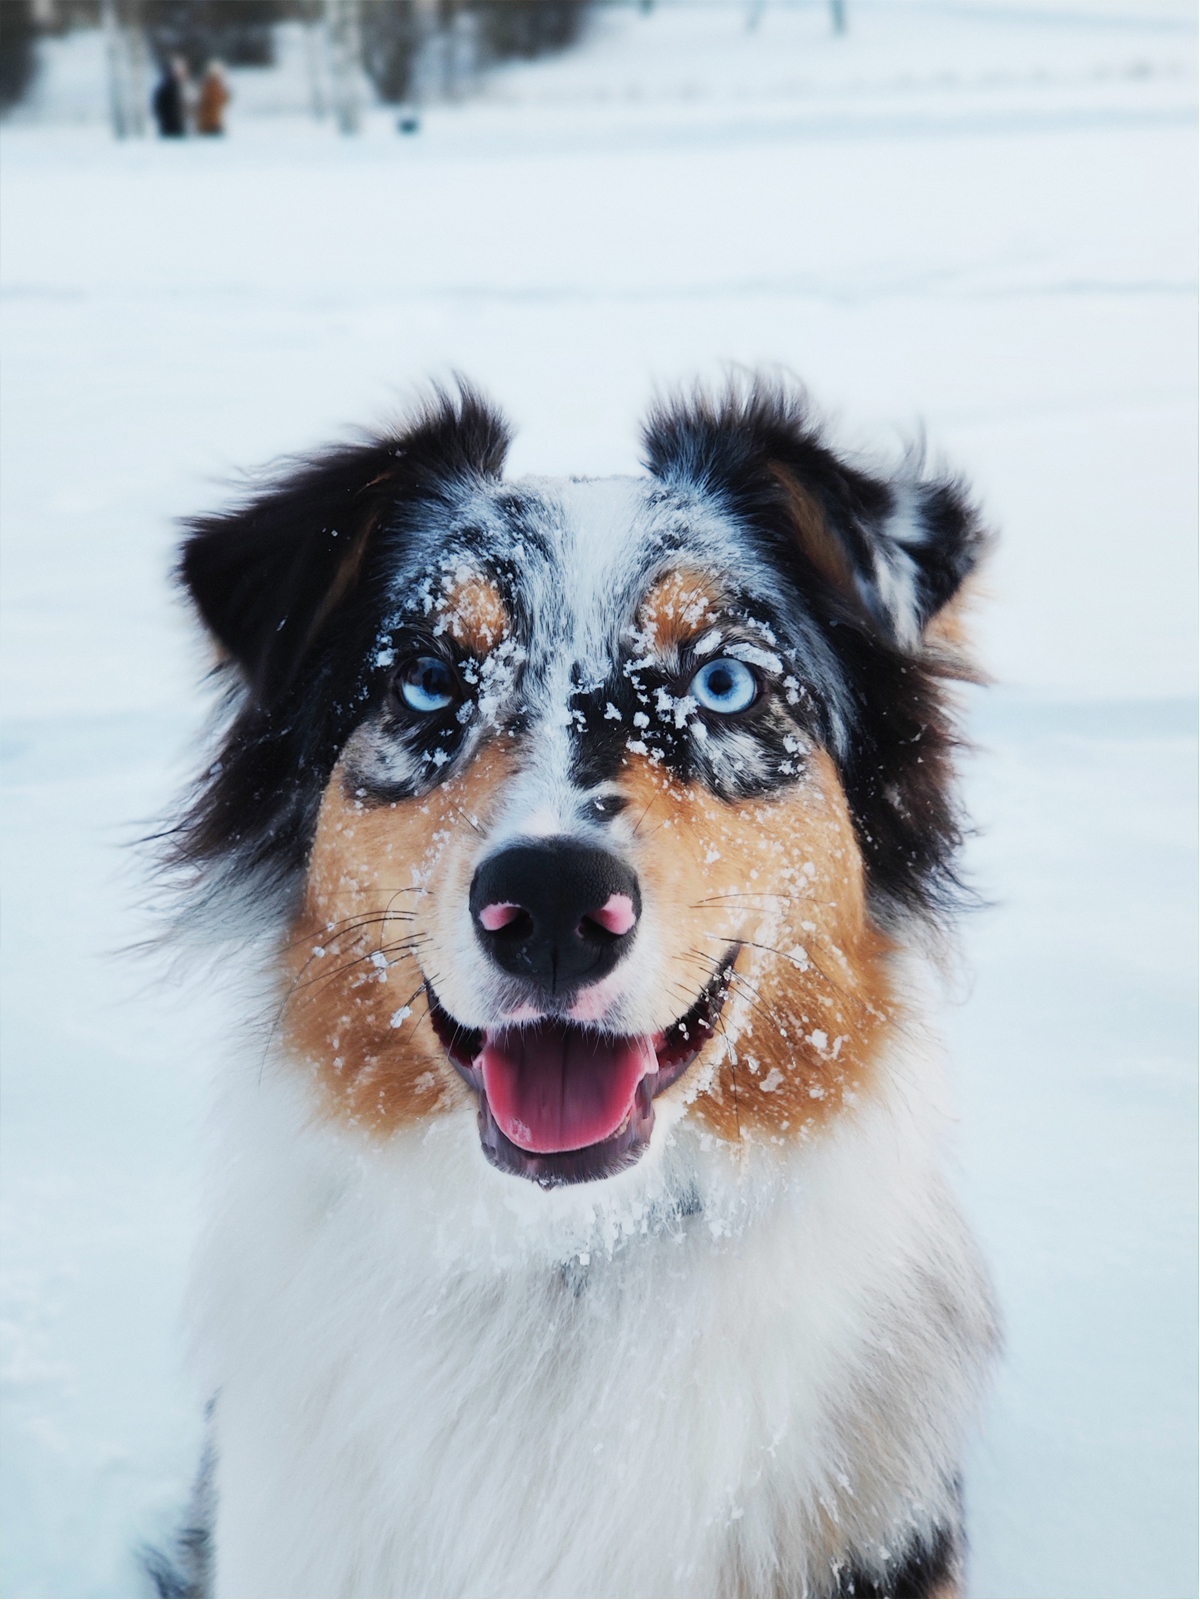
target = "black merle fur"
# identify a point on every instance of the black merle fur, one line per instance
(897, 769)
(294, 585)
(184, 1571)
(928, 1566)
(601, 747)
(728, 446)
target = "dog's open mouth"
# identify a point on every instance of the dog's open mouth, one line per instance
(562, 1103)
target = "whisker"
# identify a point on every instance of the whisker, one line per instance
(732, 1059)
(735, 977)
(847, 994)
(348, 925)
(326, 978)
(798, 899)
(421, 987)
(654, 829)
(638, 824)
(468, 821)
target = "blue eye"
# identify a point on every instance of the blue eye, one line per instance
(426, 684)
(724, 685)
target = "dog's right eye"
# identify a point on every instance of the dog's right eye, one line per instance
(426, 684)
(724, 685)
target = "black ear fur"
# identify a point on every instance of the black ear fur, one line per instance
(897, 549)
(874, 562)
(266, 576)
(290, 585)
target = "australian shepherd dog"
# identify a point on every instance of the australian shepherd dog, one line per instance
(581, 1224)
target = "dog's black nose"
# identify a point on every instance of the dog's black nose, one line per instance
(558, 913)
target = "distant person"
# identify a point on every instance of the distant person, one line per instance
(169, 103)
(214, 97)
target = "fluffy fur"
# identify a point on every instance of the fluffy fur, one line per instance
(735, 1346)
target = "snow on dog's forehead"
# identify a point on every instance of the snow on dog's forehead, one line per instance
(582, 552)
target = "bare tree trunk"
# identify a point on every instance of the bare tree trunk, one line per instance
(462, 51)
(125, 50)
(427, 64)
(838, 11)
(139, 77)
(112, 51)
(314, 55)
(345, 48)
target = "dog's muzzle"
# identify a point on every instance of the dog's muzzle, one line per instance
(562, 1101)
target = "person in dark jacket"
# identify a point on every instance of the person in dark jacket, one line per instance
(168, 103)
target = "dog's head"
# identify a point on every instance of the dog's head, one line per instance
(574, 794)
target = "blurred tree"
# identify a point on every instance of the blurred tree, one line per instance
(411, 49)
(392, 35)
(416, 47)
(125, 48)
(343, 33)
(18, 55)
(528, 28)
(238, 32)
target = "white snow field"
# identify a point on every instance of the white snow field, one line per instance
(975, 216)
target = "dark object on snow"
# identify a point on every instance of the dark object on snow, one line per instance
(168, 102)
(408, 124)
(18, 58)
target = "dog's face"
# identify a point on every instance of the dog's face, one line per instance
(584, 799)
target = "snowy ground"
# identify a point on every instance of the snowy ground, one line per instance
(975, 216)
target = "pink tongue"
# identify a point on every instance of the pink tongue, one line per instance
(552, 1086)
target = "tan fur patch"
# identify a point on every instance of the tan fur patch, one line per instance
(949, 1591)
(368, 935)
(816, 540)
(678, 607)
(783, 878)
(948, 633)
(343, 583)
(475, 615)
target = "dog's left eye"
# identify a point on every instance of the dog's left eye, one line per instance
(724, 685)
(426, 684)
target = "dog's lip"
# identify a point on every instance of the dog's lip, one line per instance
(675, 1048)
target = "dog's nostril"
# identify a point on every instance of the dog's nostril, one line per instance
(506, 924)
(616, 916)
(498, 915)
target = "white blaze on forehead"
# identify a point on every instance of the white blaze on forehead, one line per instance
(601, 534)
(594, 529)
(597, 532)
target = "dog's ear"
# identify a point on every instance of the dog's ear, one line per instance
(896, 550)
(268, 576)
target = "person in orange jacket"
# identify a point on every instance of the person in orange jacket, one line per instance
(214, 97)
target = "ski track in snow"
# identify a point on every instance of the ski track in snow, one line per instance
(976, 219)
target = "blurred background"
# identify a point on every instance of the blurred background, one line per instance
(969, 218)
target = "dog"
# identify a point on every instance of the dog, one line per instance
(581, 1224)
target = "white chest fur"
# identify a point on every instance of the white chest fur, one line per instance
(722, 1372)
